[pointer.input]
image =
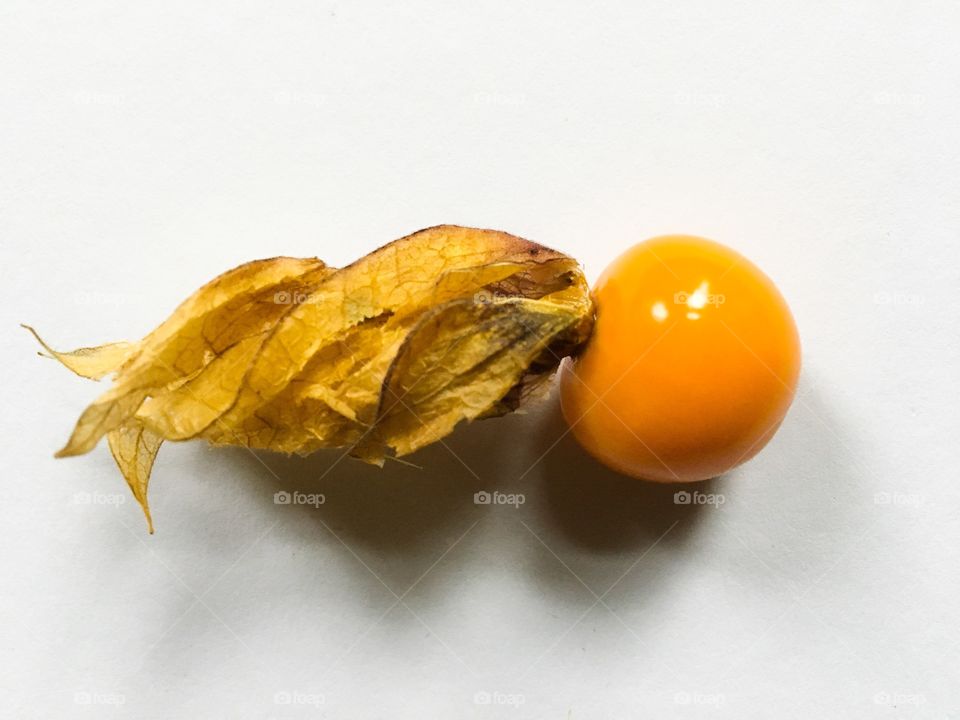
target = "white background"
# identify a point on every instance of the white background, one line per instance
(146, 148)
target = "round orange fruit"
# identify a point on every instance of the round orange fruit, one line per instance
(691, 367)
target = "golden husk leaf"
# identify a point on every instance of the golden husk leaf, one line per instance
(383, 356)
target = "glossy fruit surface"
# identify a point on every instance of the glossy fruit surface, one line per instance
(692, 364)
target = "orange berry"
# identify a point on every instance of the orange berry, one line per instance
(692, 364)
